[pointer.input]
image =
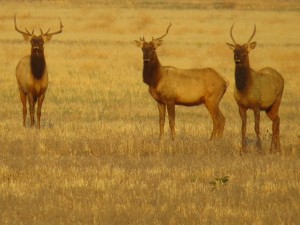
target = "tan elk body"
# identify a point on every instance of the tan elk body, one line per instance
(257, 90)
(170, 86)
(31, 73)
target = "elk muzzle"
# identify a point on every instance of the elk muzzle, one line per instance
(36, 48)
(147, 60)
(237, 61)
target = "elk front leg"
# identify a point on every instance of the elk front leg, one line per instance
(256, 127)
(162, 115)
(23, 100)
(243, 114)
(171, 114)
(32, 101)
(39, 109)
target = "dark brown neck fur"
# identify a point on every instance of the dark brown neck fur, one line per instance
(242, 75)
(37, 65)
(151, 72)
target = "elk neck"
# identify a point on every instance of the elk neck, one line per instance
(151, 72)
(242, 75)
(37, 64)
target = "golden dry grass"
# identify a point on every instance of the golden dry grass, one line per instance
(97, 160)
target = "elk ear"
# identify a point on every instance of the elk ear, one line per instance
(231, 46)
(46, 38)
(157, 43)
(139, 43)
(252, 45)
(26, 37)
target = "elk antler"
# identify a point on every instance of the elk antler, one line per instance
(53, 33)
(232, 35)
(27, 33)
(252, 34)
(161, 37)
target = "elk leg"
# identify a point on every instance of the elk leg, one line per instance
(39, 109)
(32, 100)
(221, 126)
(171, 114)
(217, 118)
(221, 118)
(273, 115)
(256, 127)
(162, 115)
(275, 145)
(243, 114)
(23, 100)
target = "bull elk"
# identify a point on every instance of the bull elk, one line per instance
(259, 90)
(170, 86)
(31, 72)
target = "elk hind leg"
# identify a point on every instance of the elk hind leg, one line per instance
(221, 124)
(273, 115)
(23, 100)
(221, 117)
(217, 118)
(39, 109)
(171, 114)
(256, 127)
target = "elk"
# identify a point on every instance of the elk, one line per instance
(259, 90)
(170, 86)
(31, 73)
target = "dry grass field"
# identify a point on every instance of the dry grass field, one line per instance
(97, 158)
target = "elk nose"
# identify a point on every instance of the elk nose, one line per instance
(35, 47)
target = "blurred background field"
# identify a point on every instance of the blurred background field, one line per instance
(97, 159)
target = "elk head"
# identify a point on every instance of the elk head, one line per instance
(149, 48)
(37, 42)
(241, 51)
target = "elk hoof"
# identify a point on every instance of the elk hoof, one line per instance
(243, 150)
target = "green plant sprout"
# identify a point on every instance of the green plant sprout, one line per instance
(219, 181)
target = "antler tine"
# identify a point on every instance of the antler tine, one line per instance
(252, 34)
(17, 29)
(27, 31)
(47, 31)
(161, 37)
(56, 32)
(232, 35)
